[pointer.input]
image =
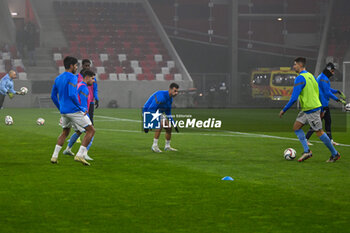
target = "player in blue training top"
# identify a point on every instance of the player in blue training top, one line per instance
(326, 92)
(306, 89)
(160, 105)
(83, 96)
(65, 96)
(6, 87)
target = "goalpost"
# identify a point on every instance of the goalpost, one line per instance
(346, 79)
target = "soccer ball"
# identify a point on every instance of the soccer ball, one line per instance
(40, 121)
(347, 107)
(24, 90)
(289, 154)
(8, 120)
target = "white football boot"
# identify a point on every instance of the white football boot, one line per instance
(156, 149)
(68, 152)
(169, 148)
(87, 157)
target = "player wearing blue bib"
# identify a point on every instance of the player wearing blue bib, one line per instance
(160, 103)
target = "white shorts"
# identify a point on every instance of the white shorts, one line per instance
(314, 119)
(77, 120)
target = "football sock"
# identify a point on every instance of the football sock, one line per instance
(56, 151)
(155, 142)
(301, 135)
(167, 143)
(88, 147)
(73, 139)
(325, 139)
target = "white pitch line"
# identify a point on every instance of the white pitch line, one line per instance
(117, 119)
(230, 133)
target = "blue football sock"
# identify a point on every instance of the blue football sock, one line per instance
(73, 139)
(88, 147)
(301, 135)
(325, 139)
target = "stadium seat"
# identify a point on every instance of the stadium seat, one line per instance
(100, 70)
(6, 56)
(118, 37)
(158, 58)
(178, 77)
(61, 69)
(160, 77)
(134, 63)
(122, 77)
(104, 57)
(165, 70)
(141, 77)
(137, 70)
(119, 69)
(132, 77)
(57, 56)
(113, 76)
(59, 63)
(171, 64)
(22, 76)
(19, 69)
(122, 57)
(17, 62)
(169, 77)
(103, 76)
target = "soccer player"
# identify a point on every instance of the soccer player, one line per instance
(162, 101)
(6, 87)
(73, 114)
(83, 96)
(306, 88)
(93, 90)
(326, 92)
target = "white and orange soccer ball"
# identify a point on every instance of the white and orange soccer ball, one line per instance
(289, 154)
(40, 121)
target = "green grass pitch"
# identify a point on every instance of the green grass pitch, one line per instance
(128, 188)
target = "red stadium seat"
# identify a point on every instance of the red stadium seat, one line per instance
(103, 76)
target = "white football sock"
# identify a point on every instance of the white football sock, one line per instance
(167, 143)
(56, 151)
(155, 142)
(82, 151)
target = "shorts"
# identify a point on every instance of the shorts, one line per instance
(313, 119)
(77, 120)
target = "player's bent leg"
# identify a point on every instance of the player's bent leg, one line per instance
(72, 140)
(308, 136)
(325, 139)
(87, 157)
(301, 136)
(83, 123)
